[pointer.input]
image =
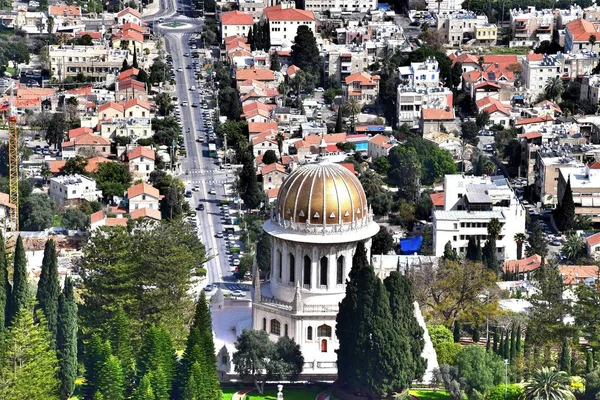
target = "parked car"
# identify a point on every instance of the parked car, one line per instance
(238, 293)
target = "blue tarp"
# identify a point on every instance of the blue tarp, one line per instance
(518, 97)
(411, 245)
(383, 6)
(376, 128)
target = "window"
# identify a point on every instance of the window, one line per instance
(279, 264)
(323, 278)
(264, 324)
(324, 331)
(224, 360)
(307, 262)
(292, 268)
(324, 346)
(309, 333)
(275, 327)
(285, 330)
(340, 270)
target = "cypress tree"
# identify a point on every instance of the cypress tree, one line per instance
(134, 64)
(488, 343)
(20, 291)
(111, 381)
(589, 361)
(513, 345)
(478, 251)
(565, 211)
(456, 332)
(475, 335)
(275, 64)
(471, 249)
(66, 340)
(501, 345)
(506, 349)
(4, 284)
(144, 390)
(564, 361)
(250, 38)
(401, 297)
(518, 342)
(496, 340)
(339, 126)
(49, 287)
(125, 65)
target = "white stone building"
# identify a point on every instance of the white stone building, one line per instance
(322, 6)
(284, 21)
(71, 189)
(470, 202)
(411, 101)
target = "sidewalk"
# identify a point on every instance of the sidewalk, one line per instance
(151, 9)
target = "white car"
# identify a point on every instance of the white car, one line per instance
(184, 103)
(212, 191)
(236, 262)
(238, 293)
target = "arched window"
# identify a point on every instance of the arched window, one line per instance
(264, 324)
(324, 346)
(292, 268)
(285, 330)
(279, 264)
(324, 331)
(340, 270)
(275, 327)
(323, 278)
(307, 263)
(224, 360)
(309, 333)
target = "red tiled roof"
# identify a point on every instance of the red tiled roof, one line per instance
(129, 73)
(530, 135)
(258, 74)
(463, 58)
(131, 11)
(524, 265)
(146, 213)
(349, 167)
(79, 131)
(97, 217)
(56, 165)
(549, 104)
(292, 71)
(275, 167)
(92, 163)
(594, 165)
(534, 120)
(141, 151)
(379, 140)
(576, 274)
(142, 188)
(132, 83)
(93, 35)
(61, 11)
(593, 240)
(132, 26)
(258, 127)
(236, 18)
(581, 30)
(272, 193)
(437, 114)
(277, 13)
(110, 104)
(437, 199)
(116, 222)
(136, 102)
(131, 35)
(363, 78)
(87, 140)
(5, 200)
(535, 57)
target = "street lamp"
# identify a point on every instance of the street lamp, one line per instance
(505, 377)
(279, 393)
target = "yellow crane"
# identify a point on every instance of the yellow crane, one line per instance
(13, 160)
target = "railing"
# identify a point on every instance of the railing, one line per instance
(277, 303)
(320, 308)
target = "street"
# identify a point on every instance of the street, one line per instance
(198, 171)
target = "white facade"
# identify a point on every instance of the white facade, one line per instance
(444, 6)
(98, 61)
(411, 101)
(425, 74)
(536, 73)
(470, 202)
(71, 188)
(355, 6)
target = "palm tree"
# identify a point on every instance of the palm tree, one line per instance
(353, 107)
(283, 90)
(548, 384)
(573, 247)
(494, 228)
(519, 239)
(554, 87)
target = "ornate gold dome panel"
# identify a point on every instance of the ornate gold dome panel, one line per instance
(322, 195)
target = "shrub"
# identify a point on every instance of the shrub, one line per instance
(446, 352)
(513, 392)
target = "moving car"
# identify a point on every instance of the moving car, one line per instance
(208, 288)
(238, 293)
(219, 235)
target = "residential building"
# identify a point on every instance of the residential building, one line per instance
(486, 34)
(437, 119)
(141, 162)
(133, 128)
(590, 89)
(342, 61)
(5, 208)
(236, 23)
(362, 6)
(443, 6)
(284, 22)
(421, 74)
(362, 87)
(272, 175)
(67, 190)
(577, 36)
(470, 202)
(110, 110)
(538, 69)
(65, 18)
(459, 27)
(546, 182)
(265, 141)
(568, 15)
(253, 7)
(411, 101)
(592, 246)
(143, 195)
(94, 61)
(380, 145)
(585, 185)
(100, 219)
(498, 112)
(522, 269)
(530, 26)
(130, 89)
(129, 15)
(86, 145)
(136, 108)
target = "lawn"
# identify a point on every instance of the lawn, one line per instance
(288, 394)
(508, 50)
(228, 393)
(430, 394)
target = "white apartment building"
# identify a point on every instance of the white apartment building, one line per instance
(566, 16)
(412, 100)
(444, 6)
(342, 61)
(236, 23)
(422, 74)
(134, 128)
(585, 185)
(284, 21)
(72, 189)
(530, 26)
(460, 26)
(470, 202)
(322, 6)
(96, 61)
(546, 177)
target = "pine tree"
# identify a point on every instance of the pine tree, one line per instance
(411, 344)
(111, 381)
(4, 284)
(564, 361)
(339, 125)
(144, 390)
(49, 287)
(456, 332)
(96, 354)
(158, 380)
(98, 396)
(202, 319)
(29, 364)
(156, 353)
(134, 64)
(66, 340)
(20, 287)
(119, 336)
(589, 361)
(191, 389)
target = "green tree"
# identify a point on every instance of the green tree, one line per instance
(449, 252)
(382, 242)
(113, 179)
(480, 370)
(554, 87)
(439, 334)
(36, 213)
(144, 390)
(339, 125)
(263, 252)
(482, 119)
(574, 247)
(248, 187)
(66, 340)
(275, 65)
(28, 364)
(49, 288)
(587, 313)
(456, 332)
(405, 172)
(74, 218)
(75, 165)
(537, 242)
(164, 103)
(269, 157)
(97, 352)
(117, 331)
(5, 288)
(519, 239)
(57, 129)
(156, 353)
(20, 287)
(564, 213)
(548, 383)
(469, 132)
(589, 362)
(111, 380)
(564, 361)
(508, 392)
(305, 52)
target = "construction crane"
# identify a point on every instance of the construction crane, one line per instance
(13, 159)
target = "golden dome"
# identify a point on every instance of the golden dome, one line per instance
(325, 195)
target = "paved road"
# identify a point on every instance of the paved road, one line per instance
(198, 169)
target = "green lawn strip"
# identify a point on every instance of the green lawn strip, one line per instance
(430, 394)
(229, 392)
(288, 394)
